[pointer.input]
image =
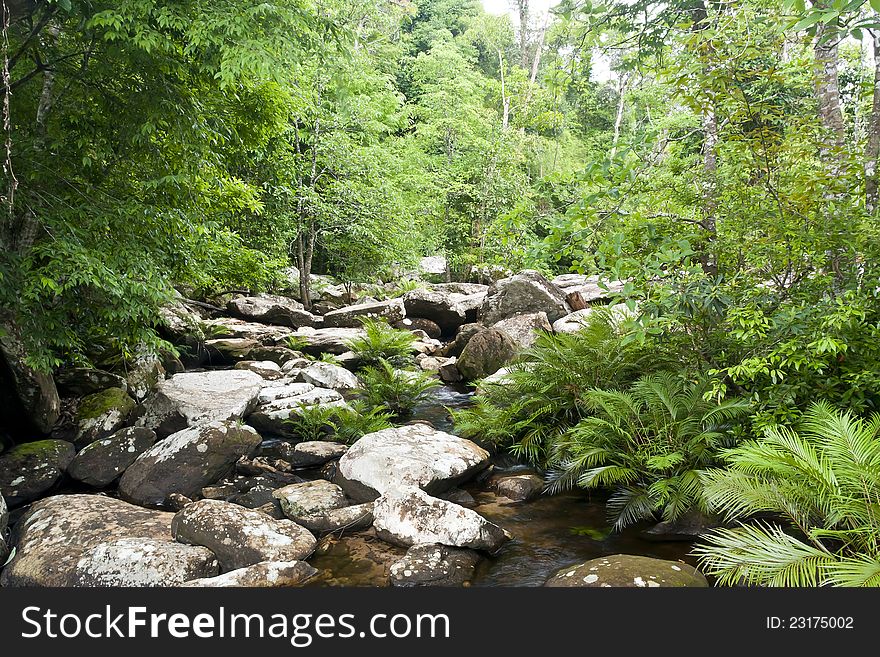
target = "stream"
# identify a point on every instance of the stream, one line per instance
(549, 533)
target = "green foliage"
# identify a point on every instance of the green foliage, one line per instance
(393, 390)
(382, 342)
(345, 423)
(359, 420)
(543, 395)
(824, 479)
(647, 444)
(313, 421)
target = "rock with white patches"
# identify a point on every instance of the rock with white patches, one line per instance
(278, 404)
(56, 532)
(192, 398)
(411, 455)
(311, 453)
(266, 574)
(241, 537)
(29, 470)
(391, 311)
(103, 461)
(328, 375)
(309, 498)
(101, 414)
(271, 309)
(143, 562)
(525, 292)
(409, 516)
(434, 565)
(187, 461)
(628, 570)
(267, 369)
(348, 518)
(525, 329)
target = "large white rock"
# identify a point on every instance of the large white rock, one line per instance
(187, 461)
(229, 327)
(271, 309)
(581, 291)
(350, 317)
(309, 498)
(326, 340)
(525, 292)
(266, 574)
(192, 398)
(415, 455)
(279, 403)
(121, 563)
(574, 322)
(409, 516)
(240, 537)
(57, 544)
(328, 375)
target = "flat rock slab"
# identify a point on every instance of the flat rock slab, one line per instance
(57, 532)
(266, 574)
(326, 340)
(328, 375)
(193, 398)
(434, 565)
(628, 570)
(29, 470)
(345, 519)
(267, 369)
(309, 498)
(279, 403)
(271, 309)
(409, 516)
(103, 461)
(241, 537)
(122, 563)
(350, 317)
(187, 461)
(312, 453)
(414, 455)
(264, 334)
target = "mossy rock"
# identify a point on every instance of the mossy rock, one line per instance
(630, 571)
(31, 469)
(101, 414)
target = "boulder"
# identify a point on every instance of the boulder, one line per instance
(230, 350)
(266, 574)
(583, 291)
(434, 565)
(524, 329)
(433, 267)
(271, 309)
(277, 404)
(391, 310)
(348, 518)
(448, 371)
(427, 326)
(462, 337)
(309, 498)
(183, 328)
(408, 516)
(628, 570)
(187, 461)
(229, 328)
(143, 562)
(144, 374)
(29, 470)
(464, 289)
(101, 414)
(29, 400)
(82, 381)
(486, 353)
(574, 322)
(438, 307)
(689, 527)
(326, 340)
(241, 537)
(414, 455)
(520, 488)
(523, 293)
(103, 461)
(276, 354)
(265, 368)
(311, 453)
(192, 398)
(57, 532)
(328, 375)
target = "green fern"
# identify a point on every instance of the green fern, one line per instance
(382, 342)
(396, 391)
(824, 480)
(314, 422)
(345, 423)
(647, 445)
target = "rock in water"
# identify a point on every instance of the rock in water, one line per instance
(101, 414)
(241, 537)
(486, 353)
(187, 461)
(523, 293)
(434, 565)
(414, 455)
(31, 469)
(121, 563)
(520, 488)
(58, 532)
(103, 461)
(265, 574)
(628, 570)
(29, 400)
(188, 399)
(408, 516)
(348, 518)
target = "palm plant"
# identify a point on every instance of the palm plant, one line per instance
(824, 480)
(542, 396)
(397, 391)
(381, 341)
(647, 445)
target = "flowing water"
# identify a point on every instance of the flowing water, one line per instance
(550, 532)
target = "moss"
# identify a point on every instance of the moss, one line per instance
(95, 405)
(37, 448)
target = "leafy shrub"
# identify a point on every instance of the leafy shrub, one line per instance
(542, 396)
(382, 342)
(396, 391)
(647, 445)
(824, 480)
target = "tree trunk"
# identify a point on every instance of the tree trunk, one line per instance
(523, 8)
(618, 119)
(872, 148)
(828, 95)
(505, 101)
